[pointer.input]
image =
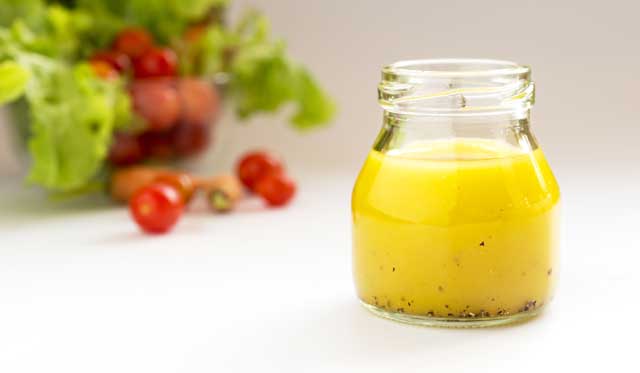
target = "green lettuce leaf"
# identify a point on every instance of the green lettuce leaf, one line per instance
(71, 112)
(262, 78)
(204, 56)
(167, 19)
(31, 12)
(72, 123)
(13, 81)
(264, 81)
(60, 33)
(314, 106)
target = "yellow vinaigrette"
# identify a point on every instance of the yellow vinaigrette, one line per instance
(460, 228)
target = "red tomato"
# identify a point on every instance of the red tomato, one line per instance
(155, 62)
(199, 99)
(157, 145)
(156, 208)
(103, 70)
(117, 60)
(182, 182)
(257, 165)
(276, 189)
(133, 41)
(125, 150)
(157, 102)
(190, 139)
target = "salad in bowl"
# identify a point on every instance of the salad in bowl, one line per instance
(94, 85)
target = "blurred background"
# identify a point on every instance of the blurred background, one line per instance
(585, 59)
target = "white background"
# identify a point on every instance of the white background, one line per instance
(262, 290)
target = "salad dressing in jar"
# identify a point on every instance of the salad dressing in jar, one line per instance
(455, 211)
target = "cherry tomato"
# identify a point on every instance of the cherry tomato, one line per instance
(190, 139)
(276, 189)
(155, 62)
(157, 145)
(156, 208)
(257, 165)
(199, 101)
(157, 102)
(133, 41)
(103, 70)
(125, 150)
(117, 60)
(182, 182)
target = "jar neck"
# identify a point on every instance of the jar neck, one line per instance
(400, 130)
(520, 118)
(456, 98)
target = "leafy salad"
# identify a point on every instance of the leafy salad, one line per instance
(73, 114)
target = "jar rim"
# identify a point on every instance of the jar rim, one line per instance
(456, 67)
(456, 87)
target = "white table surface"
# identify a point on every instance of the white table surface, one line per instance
(81, 290)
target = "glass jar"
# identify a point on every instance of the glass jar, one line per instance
(455, 211)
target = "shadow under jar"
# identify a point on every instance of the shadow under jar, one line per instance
(455, 211)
